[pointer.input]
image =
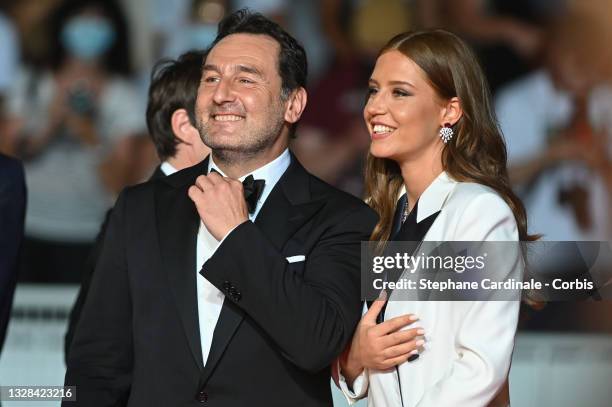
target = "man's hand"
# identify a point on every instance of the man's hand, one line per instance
(220, 203)
(380, 346)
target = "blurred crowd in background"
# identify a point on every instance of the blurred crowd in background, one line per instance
(74, 78)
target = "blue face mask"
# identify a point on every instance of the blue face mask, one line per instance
(87, 37)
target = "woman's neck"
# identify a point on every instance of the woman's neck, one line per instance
(418, 175)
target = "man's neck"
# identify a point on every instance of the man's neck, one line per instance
(237, 164)
(179, 163)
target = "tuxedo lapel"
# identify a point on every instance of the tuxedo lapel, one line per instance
(286, 209)
(229, 320)
(178, 221)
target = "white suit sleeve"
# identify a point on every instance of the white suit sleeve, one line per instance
(360, 385)
(485, 340)
(359, 389)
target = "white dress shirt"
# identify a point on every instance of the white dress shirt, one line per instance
(468, 344)
(210, 299)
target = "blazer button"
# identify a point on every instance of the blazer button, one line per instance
(227, 286)
(237, 296)
(202, 397)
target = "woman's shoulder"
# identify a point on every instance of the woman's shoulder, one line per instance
(481, 213)
(472, 194)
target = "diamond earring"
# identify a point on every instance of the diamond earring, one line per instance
(446, 133)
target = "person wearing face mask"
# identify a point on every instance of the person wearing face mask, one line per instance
(74, 125)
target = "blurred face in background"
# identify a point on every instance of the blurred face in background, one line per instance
(577, 54)
(403, 113)
(239, 106)
(88, 35)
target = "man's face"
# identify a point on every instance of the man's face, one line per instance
(239, 106)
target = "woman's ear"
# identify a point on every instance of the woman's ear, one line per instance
(296, 105)
(182, 127)
(452, 112)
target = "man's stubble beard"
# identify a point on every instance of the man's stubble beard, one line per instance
(252, 144)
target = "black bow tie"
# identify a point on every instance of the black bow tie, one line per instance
(252, 190)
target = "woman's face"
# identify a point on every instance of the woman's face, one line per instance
(403, 113)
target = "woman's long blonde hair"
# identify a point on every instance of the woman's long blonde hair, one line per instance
(476, 153)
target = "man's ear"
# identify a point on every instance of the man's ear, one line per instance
(451, 112)
(182, 127)
(296, 105)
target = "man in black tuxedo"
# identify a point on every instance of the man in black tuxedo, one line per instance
(171, 123)
(12, 216)
(219, 292)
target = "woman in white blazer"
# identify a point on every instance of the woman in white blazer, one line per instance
(435, 145)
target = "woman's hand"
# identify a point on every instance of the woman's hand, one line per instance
(380, 346)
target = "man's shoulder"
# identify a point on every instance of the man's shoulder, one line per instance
(338, 201)
(11, 166)
(12, 175)
(180, 179)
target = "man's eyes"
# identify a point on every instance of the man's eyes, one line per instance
(214, 79)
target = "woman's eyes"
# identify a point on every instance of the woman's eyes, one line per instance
(396, 92)
(400, 92)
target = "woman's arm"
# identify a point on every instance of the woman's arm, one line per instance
(376, 346)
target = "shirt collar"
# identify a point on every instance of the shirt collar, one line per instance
(271, 173)
(167, 168)
(433, 198)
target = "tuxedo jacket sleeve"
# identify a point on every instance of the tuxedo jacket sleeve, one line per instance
(12, 213)
(310, 315)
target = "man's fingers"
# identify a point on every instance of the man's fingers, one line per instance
(195, 193)
(214, 177)
(396, 324)
(234, 183)
(375, 308)
(203, 183)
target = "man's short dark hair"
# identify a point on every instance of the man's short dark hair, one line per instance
(292, 63)
(174, 85)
